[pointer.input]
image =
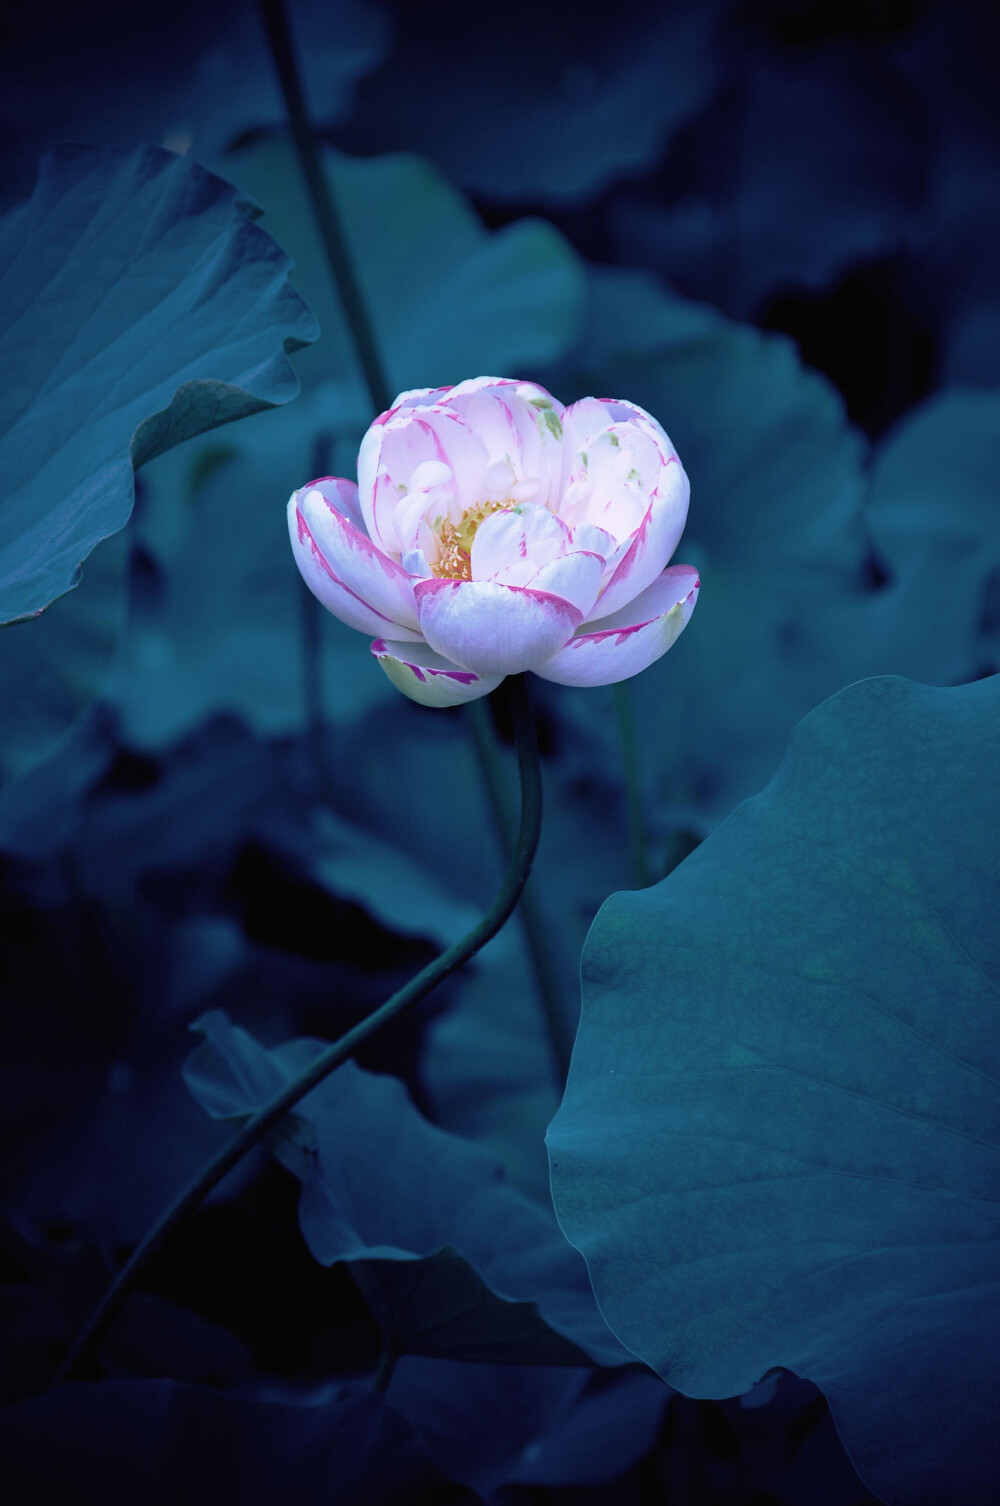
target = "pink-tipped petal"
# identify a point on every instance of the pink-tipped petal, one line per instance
(426, 677)
(635, 637)
(493, 629)
(653, 543)
(327, 586)
(358, 563)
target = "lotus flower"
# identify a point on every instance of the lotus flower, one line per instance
(494, 531)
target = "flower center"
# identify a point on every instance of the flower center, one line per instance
(454, 559)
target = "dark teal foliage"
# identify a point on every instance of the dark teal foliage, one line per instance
(774, 225)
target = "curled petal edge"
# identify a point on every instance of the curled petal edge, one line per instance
(429, 678)
(633, 638)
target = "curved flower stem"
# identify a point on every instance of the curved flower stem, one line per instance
(532, 922)
(417, 988)
(327, 220)
(633, 784)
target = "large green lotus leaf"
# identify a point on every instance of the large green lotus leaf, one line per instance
(448, 299)
(780, 1142)
(774, 528)
(141, 306)
(381, 1183)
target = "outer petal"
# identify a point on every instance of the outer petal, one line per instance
(653, 543)
(335, 594)
(633, 639)
(493, 629)
(354, 559)
(426, 677)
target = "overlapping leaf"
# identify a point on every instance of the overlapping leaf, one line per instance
(382, 1183)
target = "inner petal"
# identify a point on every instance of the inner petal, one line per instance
(448, 541)
(520, 535)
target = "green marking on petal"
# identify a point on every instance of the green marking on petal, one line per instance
(547, 416)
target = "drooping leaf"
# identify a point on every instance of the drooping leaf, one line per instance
(142, 305)
(779, 1141)
(382, 1183)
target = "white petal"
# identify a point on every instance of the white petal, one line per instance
(493, 629)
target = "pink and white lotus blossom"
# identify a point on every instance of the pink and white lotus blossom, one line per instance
(494, 531)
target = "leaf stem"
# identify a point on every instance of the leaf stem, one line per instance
(532, 922)
(223, 1162)
(633, 784)
(328, 223)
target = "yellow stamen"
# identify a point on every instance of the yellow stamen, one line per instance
(454, 559)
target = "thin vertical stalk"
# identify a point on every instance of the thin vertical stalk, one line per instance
(428, 978)
(328, 223)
